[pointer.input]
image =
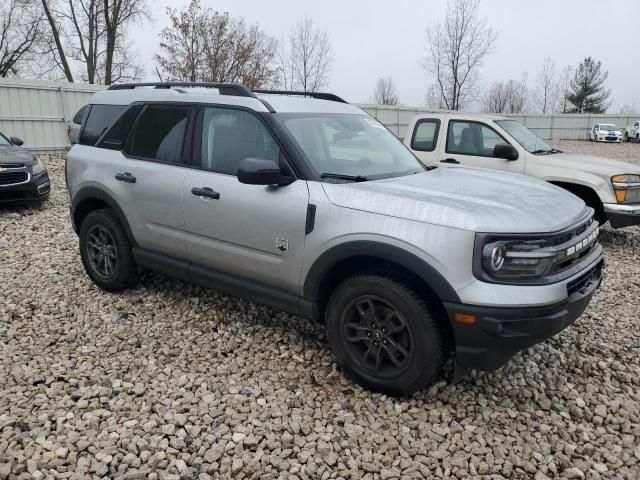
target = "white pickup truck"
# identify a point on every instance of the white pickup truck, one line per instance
(632, 132)
(610, 187)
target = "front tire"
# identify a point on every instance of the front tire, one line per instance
(106, 254)
(384, 335)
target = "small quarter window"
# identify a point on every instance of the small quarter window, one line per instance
(101, 117)
(77, 118)
(159, 133)
(425, 135)
(117, 134)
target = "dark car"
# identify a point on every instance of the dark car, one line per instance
(23, 177)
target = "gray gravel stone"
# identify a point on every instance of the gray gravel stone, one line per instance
(170, 381)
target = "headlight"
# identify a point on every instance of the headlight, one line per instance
(520, 259)
(627, 188)
(39, 167)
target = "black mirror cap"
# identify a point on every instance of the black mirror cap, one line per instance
(506, 151)
(16, 141)
(260, 171)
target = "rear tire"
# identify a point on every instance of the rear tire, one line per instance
(384, 335)
(106, 254)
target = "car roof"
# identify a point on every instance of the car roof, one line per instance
(463, 115)
(280, 103)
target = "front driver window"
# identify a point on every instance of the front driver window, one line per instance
(472, 138)
(229, 136)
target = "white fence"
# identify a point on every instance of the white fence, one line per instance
(549, 127)
(38, 111)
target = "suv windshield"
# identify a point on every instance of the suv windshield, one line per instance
(350, 147)
(525, 137)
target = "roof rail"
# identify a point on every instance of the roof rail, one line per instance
(234, 89)
(318, 95)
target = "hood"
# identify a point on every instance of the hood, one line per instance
(468, 198)
(588, 163)
(13, 154)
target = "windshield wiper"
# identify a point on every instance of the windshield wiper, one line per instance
(340, 176)
(542, 151)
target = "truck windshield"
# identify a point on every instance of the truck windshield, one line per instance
(3, 140)
(525, 137)
(348, 147)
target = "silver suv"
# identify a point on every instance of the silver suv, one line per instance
(307, 204)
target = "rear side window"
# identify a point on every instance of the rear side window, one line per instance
(77, 118)
(425, 135)
(117, 134)
(159, 133)
(101, 117)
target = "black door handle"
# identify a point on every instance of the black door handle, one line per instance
(450, 160)
(125, 177)
(205, 192)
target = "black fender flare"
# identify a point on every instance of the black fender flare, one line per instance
(411, 262)
(89, 193)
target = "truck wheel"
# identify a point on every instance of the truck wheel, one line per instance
(626, 137)
(637, 137)
(106, 254)
(384, 335)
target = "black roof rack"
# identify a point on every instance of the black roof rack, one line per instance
(318, 95)
(235, 89)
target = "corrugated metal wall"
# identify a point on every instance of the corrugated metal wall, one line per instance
(38, 111)
(549, 127)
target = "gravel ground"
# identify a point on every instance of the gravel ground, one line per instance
(173, 381)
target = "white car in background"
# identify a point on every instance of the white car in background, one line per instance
(605, 132)
(632, 132)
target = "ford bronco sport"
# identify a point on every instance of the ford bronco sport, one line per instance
(307, 204)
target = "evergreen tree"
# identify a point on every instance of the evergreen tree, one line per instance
(586, 90)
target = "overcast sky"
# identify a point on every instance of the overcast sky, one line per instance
(379, 38)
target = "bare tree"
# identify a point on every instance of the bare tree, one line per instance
(433, 99)
(203, 45)
(629, 109)
(92, 35)
(306, 61)
(20, 33)
(385, 92)
(547, 88)
(455, 51)
(506, 97)
(565, 84)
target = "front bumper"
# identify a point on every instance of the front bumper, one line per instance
(35, 190)
(620, 215)
(609, 138)
(498, 333)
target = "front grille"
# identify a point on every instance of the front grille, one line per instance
(611, 138)
(12, 165)
(570, 239)
(11, 178)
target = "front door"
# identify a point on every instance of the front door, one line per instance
(253, 232)
(471, 143)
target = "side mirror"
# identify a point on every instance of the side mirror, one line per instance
(16, 141)
(506, 151)
(259, 171)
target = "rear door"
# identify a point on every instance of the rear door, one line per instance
(253, 232)
(146, 175)
(471, 143)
